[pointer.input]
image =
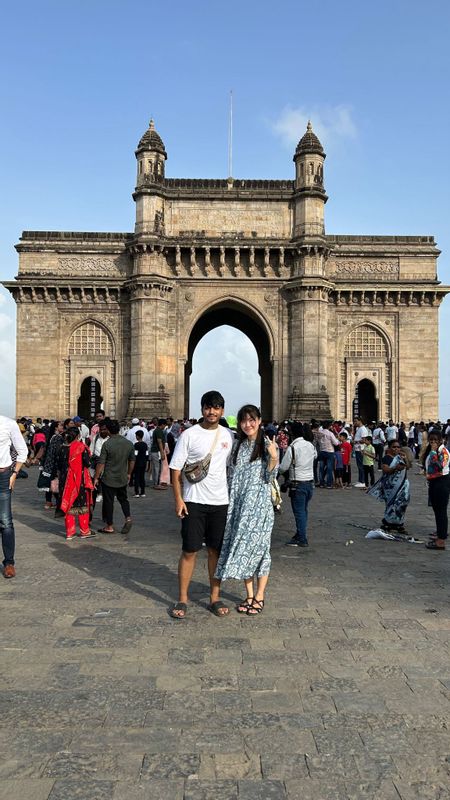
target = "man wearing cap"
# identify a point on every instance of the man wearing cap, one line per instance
(13, 453)
(84, 430)
(135, 426)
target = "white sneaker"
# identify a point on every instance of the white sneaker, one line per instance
(99, 498)
(359, 485)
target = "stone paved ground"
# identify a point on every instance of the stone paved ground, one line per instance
(340, 689)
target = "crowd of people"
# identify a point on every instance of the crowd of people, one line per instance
(224, 480)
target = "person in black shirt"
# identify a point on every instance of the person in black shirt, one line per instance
(141, 464)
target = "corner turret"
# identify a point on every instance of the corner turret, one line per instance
(310, 197)
(151, 155)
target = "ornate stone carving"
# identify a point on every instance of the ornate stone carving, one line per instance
(159, 226)
(377, 267)
(251, 266)
(222, 261)
(92, 265)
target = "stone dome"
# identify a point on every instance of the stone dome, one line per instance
(309, 143)
(151, 140)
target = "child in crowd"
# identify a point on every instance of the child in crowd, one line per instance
(368, 452)
(346, 451)
(338, 468)
(141, 465)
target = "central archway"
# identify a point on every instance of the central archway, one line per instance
(247, 320)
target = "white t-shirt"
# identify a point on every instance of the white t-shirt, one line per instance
(195, 444)
(360, 433)
(131, 435)
(391, 433)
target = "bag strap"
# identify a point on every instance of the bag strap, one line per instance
(216, 438)
(293, 455)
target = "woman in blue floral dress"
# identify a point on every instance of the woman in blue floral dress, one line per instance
(245, 553)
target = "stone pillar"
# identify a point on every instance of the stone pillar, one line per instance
(153, 368)
(308, 334)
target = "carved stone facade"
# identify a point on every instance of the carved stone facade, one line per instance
(339, 322)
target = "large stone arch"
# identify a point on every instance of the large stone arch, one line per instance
(365, 354)
(90, 352)
(238, 313)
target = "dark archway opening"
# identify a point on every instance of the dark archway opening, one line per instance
(366, 403)
(231, 314)
(90, 399)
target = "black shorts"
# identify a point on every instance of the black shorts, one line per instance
(203, 524)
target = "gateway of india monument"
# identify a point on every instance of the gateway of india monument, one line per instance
(342, 325)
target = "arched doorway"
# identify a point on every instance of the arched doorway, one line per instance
(90, 399)
(245, 320)
(365, 403)
(233, 371)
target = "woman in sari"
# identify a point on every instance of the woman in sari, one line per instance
(77, 494)
(393, 489)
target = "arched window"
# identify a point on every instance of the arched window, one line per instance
(365, 342)
(90, 339)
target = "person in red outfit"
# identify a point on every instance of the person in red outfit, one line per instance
(346, 450)
(77, 494)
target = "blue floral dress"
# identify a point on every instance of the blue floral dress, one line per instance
(246, 543)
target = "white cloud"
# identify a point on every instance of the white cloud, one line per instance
(331, 124)
(226, 360)
(5, 321)
(8, 372)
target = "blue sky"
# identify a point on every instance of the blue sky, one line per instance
(81, 80)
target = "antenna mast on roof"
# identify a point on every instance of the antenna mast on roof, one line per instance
(230, 138)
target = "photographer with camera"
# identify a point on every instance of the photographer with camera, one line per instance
(298, 462)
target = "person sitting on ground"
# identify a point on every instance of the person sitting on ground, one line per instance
(393, 489)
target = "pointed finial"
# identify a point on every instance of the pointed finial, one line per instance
(152, 125)
(309, 126)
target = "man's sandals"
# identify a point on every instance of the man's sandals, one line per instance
(178, 607)
(219, 609)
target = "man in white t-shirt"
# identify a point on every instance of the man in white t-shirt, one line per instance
(202, 507)
(360, 433)
(391, 432)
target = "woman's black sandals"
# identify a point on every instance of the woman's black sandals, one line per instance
(243, 607)
(431, 545)
(255, 608)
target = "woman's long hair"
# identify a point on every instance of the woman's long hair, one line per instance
(72, 434)
(259, 449)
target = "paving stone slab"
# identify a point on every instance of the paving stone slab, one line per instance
(262, 790)
(163, 766)
(150, 790)
(25, 789)
(74, 789)
(211, 790)
(283, 766)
